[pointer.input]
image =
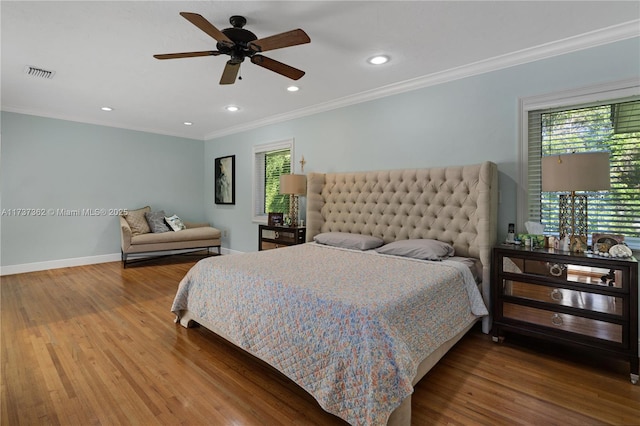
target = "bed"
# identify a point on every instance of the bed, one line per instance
(357, 327)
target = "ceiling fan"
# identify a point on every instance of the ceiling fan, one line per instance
(240, 44)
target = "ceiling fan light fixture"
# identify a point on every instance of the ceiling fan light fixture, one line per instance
(232, 108)
(378, 60)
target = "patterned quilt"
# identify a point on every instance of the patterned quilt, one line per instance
(349, 327)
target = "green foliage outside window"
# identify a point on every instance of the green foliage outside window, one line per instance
(276, 163)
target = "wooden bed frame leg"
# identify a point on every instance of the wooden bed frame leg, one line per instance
(401, 416)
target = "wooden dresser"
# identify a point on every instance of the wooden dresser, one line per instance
(577, 299)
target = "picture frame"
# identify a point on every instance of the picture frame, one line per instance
(275, 219)
(578, 244)
(603, 242)
(225, 180)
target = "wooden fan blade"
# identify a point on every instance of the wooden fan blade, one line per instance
(206, 26)
(187, 54)
(279, 67)
(230, 73)
(289, 38)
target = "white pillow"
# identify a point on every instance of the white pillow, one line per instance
(348, 240)
(424, 249)
(175, 223)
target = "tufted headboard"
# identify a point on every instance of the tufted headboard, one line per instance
(457, 205)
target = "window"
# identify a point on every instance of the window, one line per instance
(269, 162)
(612, 126)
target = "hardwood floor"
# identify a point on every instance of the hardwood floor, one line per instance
(97, 345)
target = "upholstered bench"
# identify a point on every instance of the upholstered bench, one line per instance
(139, 240)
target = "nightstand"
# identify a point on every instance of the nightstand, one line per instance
(271, 237)
(576, 299)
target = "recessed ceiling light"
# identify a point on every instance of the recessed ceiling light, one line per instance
(187, 123)
(293, 88)
(232, 108)
(106, 108)
(378, 60)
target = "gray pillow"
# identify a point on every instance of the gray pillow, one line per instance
(424, 249)
(156, 221)
(348, 240)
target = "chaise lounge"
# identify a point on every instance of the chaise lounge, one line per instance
(137, 238)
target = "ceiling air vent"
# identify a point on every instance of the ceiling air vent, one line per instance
(38, 72)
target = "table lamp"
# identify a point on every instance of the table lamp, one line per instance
(293, 185)
(588, 171)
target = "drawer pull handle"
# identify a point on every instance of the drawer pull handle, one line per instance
(556, 295)
(556, 269)
(556, 319)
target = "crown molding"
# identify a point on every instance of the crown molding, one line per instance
(624, 31)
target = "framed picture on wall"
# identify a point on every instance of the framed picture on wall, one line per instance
(225, 176)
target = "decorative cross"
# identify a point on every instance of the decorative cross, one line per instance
(302, 163)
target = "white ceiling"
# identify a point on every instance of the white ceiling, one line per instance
(101, 52)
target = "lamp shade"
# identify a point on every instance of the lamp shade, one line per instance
(587, 171)
(293, 184)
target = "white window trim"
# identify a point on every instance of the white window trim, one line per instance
(271, 146)
(596, 93)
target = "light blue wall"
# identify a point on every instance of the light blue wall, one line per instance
(48, 163)
(460, 122)
(56, 164)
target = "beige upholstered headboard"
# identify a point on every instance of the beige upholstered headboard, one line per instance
(458, 205)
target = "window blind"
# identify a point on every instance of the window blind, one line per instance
(613, 127)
